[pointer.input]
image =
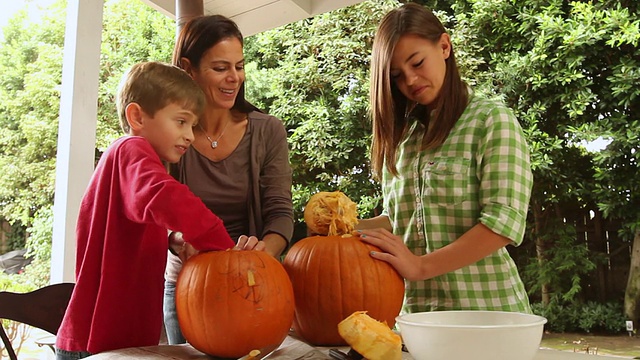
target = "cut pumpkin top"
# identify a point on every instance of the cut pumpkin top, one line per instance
(330, 213)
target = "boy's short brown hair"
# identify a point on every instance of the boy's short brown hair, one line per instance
(154, 85)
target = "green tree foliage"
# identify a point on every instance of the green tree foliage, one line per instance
(313, 74)
(30, 82)
(570, 70)
(132, 32)
(30, 71)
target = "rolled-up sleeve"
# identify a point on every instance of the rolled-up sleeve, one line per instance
(505, 178)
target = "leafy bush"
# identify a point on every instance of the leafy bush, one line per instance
(16, 332)
(13, 283)
(16, 236)
(589, 317)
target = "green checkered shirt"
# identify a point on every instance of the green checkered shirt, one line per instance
(480, 174)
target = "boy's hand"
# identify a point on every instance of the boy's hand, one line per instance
(183, 249)
(187, 252)
(249, 243)
(176, 242)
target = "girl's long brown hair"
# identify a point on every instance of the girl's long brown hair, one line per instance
(390, 109)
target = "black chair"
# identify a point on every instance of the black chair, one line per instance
(43, 308)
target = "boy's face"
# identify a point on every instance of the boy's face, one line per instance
(169, 130)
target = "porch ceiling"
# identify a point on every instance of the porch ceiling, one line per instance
(254, 16)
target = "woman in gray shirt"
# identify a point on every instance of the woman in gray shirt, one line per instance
(238, 163)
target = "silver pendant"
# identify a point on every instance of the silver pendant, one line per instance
(214, 144)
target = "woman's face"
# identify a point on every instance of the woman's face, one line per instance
(221, 73)
(418, 67)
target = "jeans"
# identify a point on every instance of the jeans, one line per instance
(172, 327)
(71, 355)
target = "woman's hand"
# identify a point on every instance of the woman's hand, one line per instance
(249, 243)
(394, 252)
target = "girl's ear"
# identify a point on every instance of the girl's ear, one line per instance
(134, 115)
(185, 64)
(445, 45)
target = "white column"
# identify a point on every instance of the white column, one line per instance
(77, 128)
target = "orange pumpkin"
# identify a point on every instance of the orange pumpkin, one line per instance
(333, 277)
(232, 302)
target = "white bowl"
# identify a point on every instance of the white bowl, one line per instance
(477, 335)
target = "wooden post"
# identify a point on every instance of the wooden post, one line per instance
(187, 10)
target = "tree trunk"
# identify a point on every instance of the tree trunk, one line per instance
(541, 247)
(632, 293)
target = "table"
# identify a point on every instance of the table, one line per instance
(291, 349)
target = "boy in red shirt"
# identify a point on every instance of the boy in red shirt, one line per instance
(129, 205)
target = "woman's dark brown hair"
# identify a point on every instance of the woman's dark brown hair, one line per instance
(199, 35)
(390, 109)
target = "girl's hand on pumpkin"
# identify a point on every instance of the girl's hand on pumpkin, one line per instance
(249, 243)
(394, 252)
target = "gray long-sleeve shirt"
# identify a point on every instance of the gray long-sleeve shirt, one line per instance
(256, 204)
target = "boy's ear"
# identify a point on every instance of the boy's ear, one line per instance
(134, 115)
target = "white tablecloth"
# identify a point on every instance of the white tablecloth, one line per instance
(292, 349)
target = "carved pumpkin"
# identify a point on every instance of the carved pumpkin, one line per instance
(333, 277)
(232, 302)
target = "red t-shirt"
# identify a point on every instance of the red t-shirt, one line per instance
(121, 233)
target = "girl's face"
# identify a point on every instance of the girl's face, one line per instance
(221, 73)
(418, 67)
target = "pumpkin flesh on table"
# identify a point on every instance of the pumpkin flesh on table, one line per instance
(370, 338)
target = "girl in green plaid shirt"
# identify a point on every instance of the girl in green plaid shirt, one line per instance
(455, 173)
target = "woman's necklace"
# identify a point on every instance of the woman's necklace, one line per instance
(214, 143)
